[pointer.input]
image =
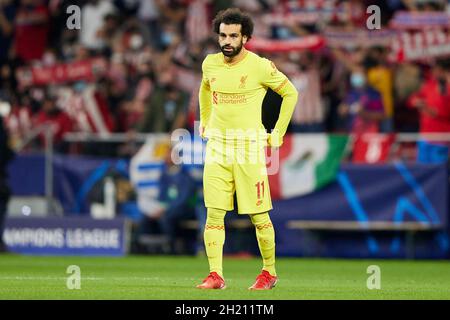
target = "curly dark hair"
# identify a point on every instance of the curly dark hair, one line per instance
(234, 16)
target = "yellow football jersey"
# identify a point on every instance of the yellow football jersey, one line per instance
(231, 97)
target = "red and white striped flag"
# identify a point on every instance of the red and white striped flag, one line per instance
(90, 112)
(197, 22)
(309, 107)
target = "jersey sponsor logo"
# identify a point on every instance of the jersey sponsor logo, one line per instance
(213, 80)
(228, 98)
(243, 80)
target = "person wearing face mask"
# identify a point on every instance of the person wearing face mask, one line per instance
(51, 115)
(362, 109)
(166, 109)
(168, 36)
(432, 100)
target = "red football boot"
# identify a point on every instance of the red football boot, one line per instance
(212, 281)
(264, 281)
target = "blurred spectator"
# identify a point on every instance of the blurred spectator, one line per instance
(308, 115)
(52, 117)
(132, 107)
(407, 80)
(105, 33)
(7, 16)
(148, 13)
(19, 120)
(167, 108)
(169, 36)
(354, 13)
(31, 30)
(362, 108)
(6, 155)
(333, 89)
(379, 76)
(173, 10)
(7, 81)
(176, 199)
(433, 99)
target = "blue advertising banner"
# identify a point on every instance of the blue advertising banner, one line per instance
(394, 193)
(66, 236)
(74, 178)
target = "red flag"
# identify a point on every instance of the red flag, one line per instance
(372, 147)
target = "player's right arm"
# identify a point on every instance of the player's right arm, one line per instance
(204, 101)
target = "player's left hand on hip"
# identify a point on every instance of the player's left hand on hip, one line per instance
(274, 140)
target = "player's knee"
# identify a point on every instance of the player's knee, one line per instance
(215, 216)
(260, 219)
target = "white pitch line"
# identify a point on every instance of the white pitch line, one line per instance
(45, 278)
(82, 277)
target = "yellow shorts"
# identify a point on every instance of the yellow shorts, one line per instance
(236, 169)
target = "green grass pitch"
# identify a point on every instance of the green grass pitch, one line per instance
(172, 277)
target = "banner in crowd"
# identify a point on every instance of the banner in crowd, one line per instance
(85, 70)
(419, 20)
(404, 45)
(349, 39)
(308, 12)
(304, 17)
(420, 45)
(66, 236)
(420, 36)
(312, 42)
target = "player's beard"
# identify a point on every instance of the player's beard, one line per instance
(232, 53)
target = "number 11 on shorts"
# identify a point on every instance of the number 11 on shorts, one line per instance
(260, 189)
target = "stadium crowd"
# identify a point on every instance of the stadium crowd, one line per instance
(135, 66)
